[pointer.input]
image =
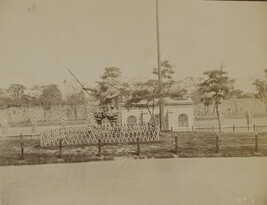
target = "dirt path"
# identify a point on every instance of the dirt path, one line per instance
(127, 181)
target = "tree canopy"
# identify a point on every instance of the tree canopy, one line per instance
(50, 96)
(261, 89)
(146, 93)
(110, 85)
(215, 87)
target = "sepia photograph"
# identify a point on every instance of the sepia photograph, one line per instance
(133, 102)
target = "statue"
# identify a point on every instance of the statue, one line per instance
(107, 105)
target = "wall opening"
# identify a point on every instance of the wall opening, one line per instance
(132, 120)
(183, 120)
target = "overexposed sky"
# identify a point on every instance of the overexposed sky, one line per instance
(40, 39)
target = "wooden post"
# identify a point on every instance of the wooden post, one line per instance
(254, 126)
(192, 128)
(176, 145)
(248, 127)
(99, 148)
(212, 128)
(138, 147)
(22, 147)
(171, 128)
(217, 144)
(233, 128)
(256, 143)
(60, 148)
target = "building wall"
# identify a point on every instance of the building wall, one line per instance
(172, 112)
(175, 111)
(137, 113)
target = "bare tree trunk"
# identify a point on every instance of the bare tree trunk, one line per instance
(206, 108)
(85, 111)
(75, 113)
(151, 114)
(234, 100)
(214, 108)
(218, 116)
(264, 91)
(44, 114)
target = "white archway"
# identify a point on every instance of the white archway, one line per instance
(183, 120)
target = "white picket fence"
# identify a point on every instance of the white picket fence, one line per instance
(87, 134)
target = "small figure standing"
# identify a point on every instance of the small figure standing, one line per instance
(63, 122)
(249, 117)
(34, 124)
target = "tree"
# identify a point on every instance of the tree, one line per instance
(146, 93)
(16, 91)
(260, 86)
(207, 101)
(167, 79)
(234, 95)
(34, 94)
(190, 85)
(50, 97)
(17, 98)
(143, 93)
(4, 99)
(74, 100)
(216, 86)
(110, 85)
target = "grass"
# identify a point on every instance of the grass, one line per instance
(191, 145)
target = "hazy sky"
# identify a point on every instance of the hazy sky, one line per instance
(40, 39)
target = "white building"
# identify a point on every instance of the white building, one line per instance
(178, 115)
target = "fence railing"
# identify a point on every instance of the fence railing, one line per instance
(16, 136)
(208, 142)
(232, 128)
(217, 142)
(106, 134)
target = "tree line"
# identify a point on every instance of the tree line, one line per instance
(209, 89)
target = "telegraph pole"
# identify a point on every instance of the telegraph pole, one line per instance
(222, 66)
(161, 102)
(264, 91)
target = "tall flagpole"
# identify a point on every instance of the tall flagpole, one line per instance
(161, 102)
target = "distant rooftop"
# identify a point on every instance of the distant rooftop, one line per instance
(167, 101)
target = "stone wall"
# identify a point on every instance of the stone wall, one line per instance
(24, 114)
(233, 108)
